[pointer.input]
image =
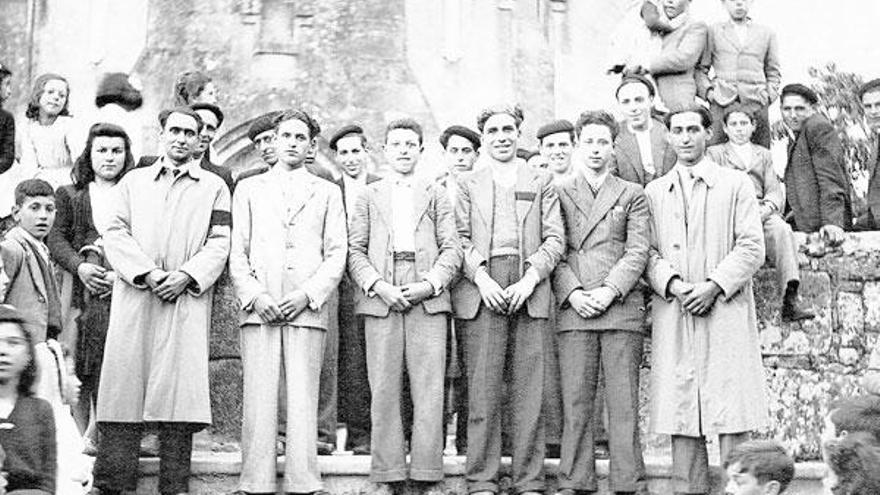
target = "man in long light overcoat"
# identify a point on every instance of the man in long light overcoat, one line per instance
(707, 243)
(168, 240)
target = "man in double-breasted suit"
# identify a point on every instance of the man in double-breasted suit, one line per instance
(674, 68)
(404, 254)
(641, 151)
(288, 253)
(512, 237)
(601, 310)
(817, 185)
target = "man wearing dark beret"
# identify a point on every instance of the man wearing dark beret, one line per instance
(817, 185)
(460, 151)
(555, 144)
(869, 97)
(349, 144)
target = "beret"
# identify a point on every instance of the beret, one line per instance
(460, 130)
(636, 78)
(872, 85)
(261, 124)
(801, 90)
(555, 127)
(211, 108)
(345, 131)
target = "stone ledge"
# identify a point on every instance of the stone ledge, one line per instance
(229, 463)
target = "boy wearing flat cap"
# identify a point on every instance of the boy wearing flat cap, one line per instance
(512, 236)
(404, 253)
(869, 97)
(817, 185)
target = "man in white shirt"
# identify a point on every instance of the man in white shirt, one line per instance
(404, 255)
(641, 150)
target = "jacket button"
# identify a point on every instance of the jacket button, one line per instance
(580, 251)
(41, 299)
(676, 246)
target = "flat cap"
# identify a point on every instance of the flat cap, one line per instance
(801, 90)
(555, 127)
(261, 124)
(872, 85)
(460, 130)
(345, 131)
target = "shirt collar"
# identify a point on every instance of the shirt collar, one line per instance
(595, 182)
(646, 130)
(702, 170)
(191, 167)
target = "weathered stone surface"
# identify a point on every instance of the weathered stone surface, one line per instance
(224, 341)
(226, 388)
(851, 315)
(872, 306)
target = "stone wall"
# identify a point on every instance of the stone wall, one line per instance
(809, 365)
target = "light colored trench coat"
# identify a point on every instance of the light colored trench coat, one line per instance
(156, 357)
(707, 376)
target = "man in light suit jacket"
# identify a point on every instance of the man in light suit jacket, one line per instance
(641, 151)
(740, 154)
(869, 97)
(601, 310)
(817, 184)
(745, 57)
(674, 68)
(512, 236)
(404, 254)
(288, 254)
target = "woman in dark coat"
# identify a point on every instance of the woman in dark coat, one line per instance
(75, 244)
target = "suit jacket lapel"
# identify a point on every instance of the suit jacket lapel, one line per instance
(730, 34)
(607, 197)
(421, 200)
(658, 149)
(31, 251)
(630, 145)
(577, 191)
(299, 201)
(483, 195)
(383, 203)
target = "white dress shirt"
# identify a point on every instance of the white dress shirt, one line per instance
(646, 152)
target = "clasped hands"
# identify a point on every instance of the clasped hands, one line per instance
(271, 311)
(697, 299)
(591, 303)
(509, 300)
(402, 297)
(97, 279)
(167, 286)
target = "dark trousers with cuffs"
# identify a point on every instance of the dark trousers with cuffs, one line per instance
(690, 461)
(116, 465)
(504, 350)
(582, 354)
(354, 388)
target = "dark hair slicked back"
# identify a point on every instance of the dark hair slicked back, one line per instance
(705, 116)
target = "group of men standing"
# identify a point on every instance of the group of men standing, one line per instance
(498, 265)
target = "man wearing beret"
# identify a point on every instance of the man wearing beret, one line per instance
(869, 96)
(555, 144)
(460, 151)
(349, 144)
(512, 236)
(641, 150)
(816, 181)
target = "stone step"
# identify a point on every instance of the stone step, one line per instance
(217, 473)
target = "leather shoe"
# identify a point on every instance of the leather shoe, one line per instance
(325, 448)
(791, 311)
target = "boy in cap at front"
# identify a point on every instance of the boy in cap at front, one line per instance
(404, 253)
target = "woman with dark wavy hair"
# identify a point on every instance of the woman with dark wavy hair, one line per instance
(82, 215)
(853, 462)
(27, 424)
